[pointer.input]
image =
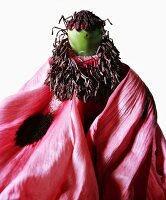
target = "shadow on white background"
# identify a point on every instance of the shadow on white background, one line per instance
(138, 32)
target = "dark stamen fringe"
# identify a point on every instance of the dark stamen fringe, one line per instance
(84, 20)
(67, 77)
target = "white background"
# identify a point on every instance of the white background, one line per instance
(138, 32)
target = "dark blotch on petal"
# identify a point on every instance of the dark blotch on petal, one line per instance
(33, 129)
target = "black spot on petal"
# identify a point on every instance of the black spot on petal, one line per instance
(33, 129)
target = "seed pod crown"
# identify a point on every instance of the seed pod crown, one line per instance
(85, 20)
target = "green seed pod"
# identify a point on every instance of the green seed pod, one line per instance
(85, 43)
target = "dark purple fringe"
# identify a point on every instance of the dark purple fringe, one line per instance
(66, 77)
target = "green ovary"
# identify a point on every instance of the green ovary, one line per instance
(84, 43)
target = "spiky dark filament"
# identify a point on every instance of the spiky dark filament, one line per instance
(84, 20)
(66, 76)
